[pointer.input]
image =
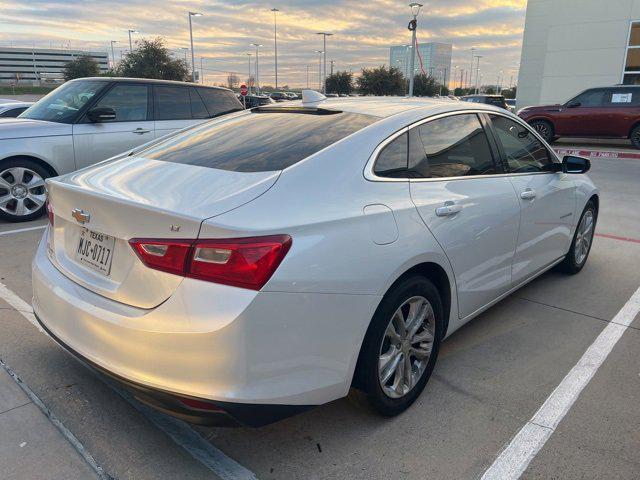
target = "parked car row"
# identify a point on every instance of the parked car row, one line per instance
(88, 120)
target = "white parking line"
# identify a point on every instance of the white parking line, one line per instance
(180, 432)
(66, 433)
(517, 455)
(20, 230)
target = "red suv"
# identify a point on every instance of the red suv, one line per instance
(609, 112)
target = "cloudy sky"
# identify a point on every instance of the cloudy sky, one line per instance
(363, 31)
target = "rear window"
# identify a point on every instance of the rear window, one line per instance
(259, 142)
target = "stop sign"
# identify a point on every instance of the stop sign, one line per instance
(243, 90)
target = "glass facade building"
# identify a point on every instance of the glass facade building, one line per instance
(436, 60)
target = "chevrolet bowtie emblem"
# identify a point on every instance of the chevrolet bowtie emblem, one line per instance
(80, 215)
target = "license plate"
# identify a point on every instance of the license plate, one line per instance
(95, 250)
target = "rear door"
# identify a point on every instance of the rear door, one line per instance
(173, 109)
(468, 205)
(547, 198)
(132, 126)
(621, 110)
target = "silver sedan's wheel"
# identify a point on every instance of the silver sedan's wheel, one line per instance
(22, 191)
(584, 237)
(406, 347)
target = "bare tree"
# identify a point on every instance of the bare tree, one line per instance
(233, 81)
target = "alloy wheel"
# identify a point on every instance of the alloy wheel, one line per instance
(584, 237)
(22, 191)
(542, 129)
(406, 347)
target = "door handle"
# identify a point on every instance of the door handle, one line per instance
(140, 131)
(449, 209)
(528, 194)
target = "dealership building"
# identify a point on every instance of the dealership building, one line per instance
(571, 45)
(37, 66)
(436, 60)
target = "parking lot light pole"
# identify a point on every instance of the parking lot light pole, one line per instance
(473, 51)
(113, 55)
(413, 26)
(130, 43)
(477, 90)
(248, 54)
(275, 40)
(319, 52)
(193, 58)
(307, 76)
(257, 45)
(324, 51)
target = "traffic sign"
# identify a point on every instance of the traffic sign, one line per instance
(243, 90)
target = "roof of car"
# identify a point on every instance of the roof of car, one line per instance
(387, 106)
(148, 80)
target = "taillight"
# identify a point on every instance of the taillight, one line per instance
(240, 262)
(49, 212)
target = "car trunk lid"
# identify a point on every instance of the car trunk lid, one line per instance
(98, 210)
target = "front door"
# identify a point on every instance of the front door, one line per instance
(547, 198)
(132, 126)
(583, 116)
(469, 207)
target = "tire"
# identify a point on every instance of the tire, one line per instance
(635, 136)
(544, 129)
(22, 199)
(395, 394)
(578, 254)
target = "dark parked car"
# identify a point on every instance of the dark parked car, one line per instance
(495, 100)
(606, 112)
(279, 96)
(257, 100)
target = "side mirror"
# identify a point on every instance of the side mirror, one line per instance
(101, 114)
(573, 104)
(571, 164)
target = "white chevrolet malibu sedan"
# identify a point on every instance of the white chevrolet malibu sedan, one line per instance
(269, 261)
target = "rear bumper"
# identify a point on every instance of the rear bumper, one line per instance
(199, 411)
(252, 354)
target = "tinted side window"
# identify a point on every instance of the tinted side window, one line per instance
(590, 98)
(172, 103)
(14, 112)
(219, 102)
(129, 101)
(623, 97)
(524, 152)
(392, 160)
(454, 146)
(198, 110)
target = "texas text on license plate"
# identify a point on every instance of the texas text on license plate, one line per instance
(95, 250)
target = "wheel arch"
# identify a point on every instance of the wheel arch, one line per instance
(47, 166)
(633, 127)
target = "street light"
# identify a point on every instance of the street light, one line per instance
(473, 50)
(477, 90)
(185, 50)
(413, 26)
(332, 62)
(249, 77)
(193, 60)
(319, 52)
(275, 40)
(406, 64)
(113, 55)
(324, 51)
(307, 76)
(130, 44)
(257, 45)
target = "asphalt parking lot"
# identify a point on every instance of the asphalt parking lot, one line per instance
(491, 378)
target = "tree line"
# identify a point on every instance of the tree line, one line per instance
(152, 59)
